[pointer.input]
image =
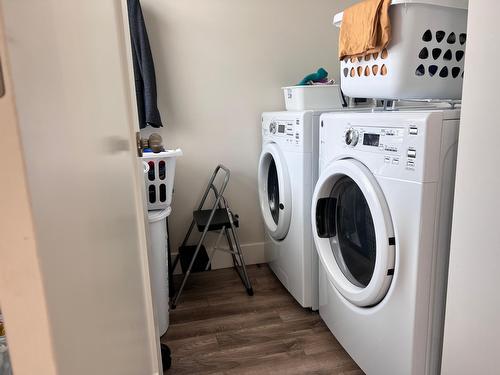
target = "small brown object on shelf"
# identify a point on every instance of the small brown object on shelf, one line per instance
(156, 142)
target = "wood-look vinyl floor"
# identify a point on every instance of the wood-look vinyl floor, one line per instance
(218, 329)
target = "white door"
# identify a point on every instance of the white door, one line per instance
(353, 232)
(74, 284)
(275, 192)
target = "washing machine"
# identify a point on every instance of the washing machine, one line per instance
(288, 169)
(381, 215)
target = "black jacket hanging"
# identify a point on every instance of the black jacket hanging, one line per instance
(144, 70)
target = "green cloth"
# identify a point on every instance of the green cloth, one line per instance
(320, 75)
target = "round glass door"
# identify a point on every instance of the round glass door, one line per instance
(353, 232)
(274, 192)
(354, 247)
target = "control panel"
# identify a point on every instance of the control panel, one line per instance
(391, 142)
(288, 132)
(405, 145)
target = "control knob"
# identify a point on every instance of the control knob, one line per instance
(272, 127)
(351, 137)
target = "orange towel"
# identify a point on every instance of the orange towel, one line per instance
(366, 28)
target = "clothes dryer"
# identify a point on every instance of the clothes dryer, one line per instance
(381, 215)
(288, 170)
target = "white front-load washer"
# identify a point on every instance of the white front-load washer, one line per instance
(381, 215)
(288, 169)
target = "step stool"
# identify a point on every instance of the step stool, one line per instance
(218, 218)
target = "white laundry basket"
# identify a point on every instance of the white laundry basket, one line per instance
(424, 60)
(159, 177)
(159, 270)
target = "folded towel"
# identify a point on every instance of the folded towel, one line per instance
(366, 28)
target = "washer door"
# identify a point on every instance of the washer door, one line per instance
(274, 191)
(353, 232)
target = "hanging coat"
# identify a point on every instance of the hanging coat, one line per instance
(144, 70)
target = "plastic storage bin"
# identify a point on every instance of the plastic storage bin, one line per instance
(424, 60)
(160, 173)
(159, 265)
(300, 98)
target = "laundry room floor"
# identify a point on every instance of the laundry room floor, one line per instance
(218, 329)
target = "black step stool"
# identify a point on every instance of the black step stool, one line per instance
(218, 218)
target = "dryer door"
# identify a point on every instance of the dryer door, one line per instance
(353, 232)
(274, 191)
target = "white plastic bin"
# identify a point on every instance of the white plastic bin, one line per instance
(159, 177)
(300, 98)
(159, 262)
(424, 60)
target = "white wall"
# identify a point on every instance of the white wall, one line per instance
(219, 64)
(472, 326)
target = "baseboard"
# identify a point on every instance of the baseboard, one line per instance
(252, 252)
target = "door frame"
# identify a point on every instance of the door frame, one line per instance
(141, 195)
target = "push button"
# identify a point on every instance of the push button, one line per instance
(413, 130)
(412, 153)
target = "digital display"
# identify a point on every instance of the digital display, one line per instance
(371, 139)
(281, 128)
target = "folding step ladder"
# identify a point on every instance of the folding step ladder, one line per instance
(218, 218)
